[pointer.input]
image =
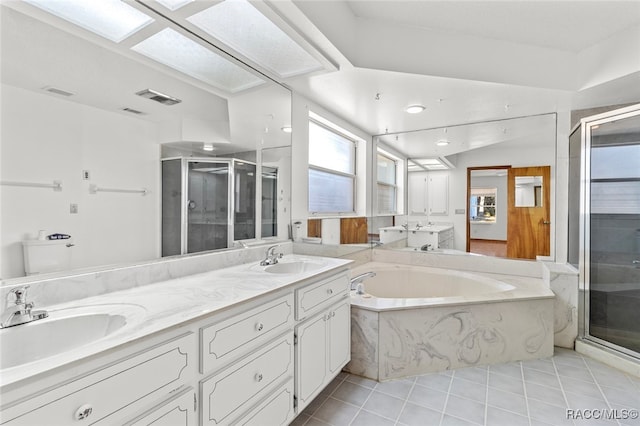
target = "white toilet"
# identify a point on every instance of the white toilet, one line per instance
(42, 256)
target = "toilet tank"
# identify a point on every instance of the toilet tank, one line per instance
(42, 256)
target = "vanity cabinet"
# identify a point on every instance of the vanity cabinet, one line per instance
(231, 392)
(177, 411)
(323, 340)
(435, 236)
(113, 394)
(245, 365)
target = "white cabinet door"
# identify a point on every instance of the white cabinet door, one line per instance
(438, 190)
(339, 339)
(418, 193)
(311, 359)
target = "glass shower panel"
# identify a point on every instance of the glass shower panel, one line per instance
(614, 232)
(269, 202)
(244, 182)
(207, 205)
(171, 207)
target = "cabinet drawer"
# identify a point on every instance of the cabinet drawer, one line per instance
(178, 411)
(276, 410)
(103, 395)
(226, 340)
(228, 394)
(314, 297)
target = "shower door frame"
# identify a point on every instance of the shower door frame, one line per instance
(586, 125)
(230, 199)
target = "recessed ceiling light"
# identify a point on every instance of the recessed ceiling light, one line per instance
(111, 19)
(179, 52)
(415, 109)
(442, 143)
(287, 129)
(207, 146)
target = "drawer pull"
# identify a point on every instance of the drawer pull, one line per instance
(259, 377)
(259, 326)
(330, 291)
(83, 412)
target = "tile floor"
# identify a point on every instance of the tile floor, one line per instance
(527, 393)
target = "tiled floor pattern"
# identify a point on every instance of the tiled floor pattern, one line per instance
(527, 393)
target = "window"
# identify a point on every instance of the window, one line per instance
(332, 170)
(482, 206)
(387, 184)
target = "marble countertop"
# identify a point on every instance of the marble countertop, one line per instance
(156, 307)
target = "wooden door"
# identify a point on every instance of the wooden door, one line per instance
(528, 225)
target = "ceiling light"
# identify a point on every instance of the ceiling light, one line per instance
(442, 143)
(287, 129)
(415, 109)
(111, 19)
(207, 147)
(174, 4)
(179, 52)
(244, 28)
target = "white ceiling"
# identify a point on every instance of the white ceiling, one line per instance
(468, 61)
(563, 25)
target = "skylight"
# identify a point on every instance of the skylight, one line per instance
(435, 163)
(111, 19)
(174, 4)
(244, 28)
(179, 52)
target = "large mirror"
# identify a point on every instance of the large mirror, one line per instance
(87, 120)
(456, 185)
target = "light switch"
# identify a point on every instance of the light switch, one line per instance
(73, 208)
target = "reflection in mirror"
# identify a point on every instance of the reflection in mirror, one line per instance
(76, 109)
(528, 191)
(439, 203)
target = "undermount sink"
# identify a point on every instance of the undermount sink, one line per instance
(295, 267)
(62, 331)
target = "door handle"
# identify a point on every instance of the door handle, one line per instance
(546, 222)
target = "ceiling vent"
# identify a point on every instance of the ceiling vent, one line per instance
(133, 111)
(158, 97)
(57, 91)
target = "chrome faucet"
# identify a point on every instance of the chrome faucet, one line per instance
(356, 282)
(20, 312)
(271, 256)
(426, 247)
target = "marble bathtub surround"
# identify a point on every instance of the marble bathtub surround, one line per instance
(563, 281)
(460, 263)
(55, 288)
(394, 338)
(168, 303)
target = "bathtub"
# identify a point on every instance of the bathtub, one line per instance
(415, 320)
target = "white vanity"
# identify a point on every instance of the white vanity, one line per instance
(435, 236)
(247, 345)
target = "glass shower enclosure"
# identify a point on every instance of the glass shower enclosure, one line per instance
(207, 204)
(604, 226)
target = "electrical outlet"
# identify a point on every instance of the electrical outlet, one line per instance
(73, 208)
(85, 175)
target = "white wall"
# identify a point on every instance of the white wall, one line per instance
(45, 138)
